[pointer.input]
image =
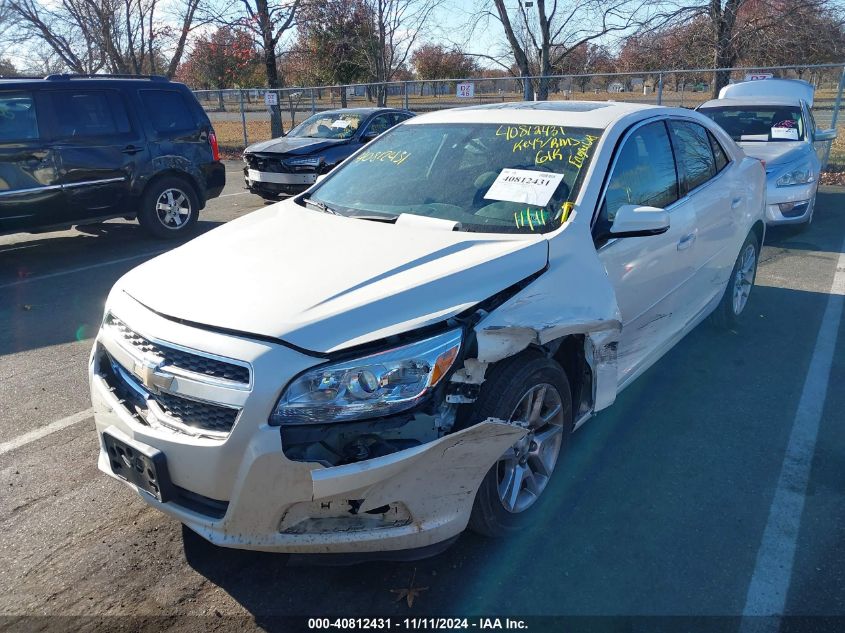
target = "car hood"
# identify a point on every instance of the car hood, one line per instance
(293, 145)
(777, 153)
(324, 282)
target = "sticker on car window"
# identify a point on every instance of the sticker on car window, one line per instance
(787, 133)
(524, 186)
(342, 123)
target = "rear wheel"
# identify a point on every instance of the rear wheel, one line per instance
(734, 301)
(533, 391)
(169, 208)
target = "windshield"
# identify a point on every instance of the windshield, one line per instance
(759, 123)
(328, 125)
(487, 177)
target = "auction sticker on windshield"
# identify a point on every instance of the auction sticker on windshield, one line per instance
(341, 123)
(524, 186)
(786, 133)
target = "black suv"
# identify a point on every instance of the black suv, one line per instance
(79, 149)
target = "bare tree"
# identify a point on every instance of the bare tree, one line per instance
(541, 34)
(119, 36)
(396, 25)
(738, 26)
(268, 21)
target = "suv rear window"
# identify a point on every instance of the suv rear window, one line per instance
(168, 111)
(18, 121)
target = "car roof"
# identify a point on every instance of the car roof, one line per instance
(361, 111)
(79, 81)
(587, 114)
(761, 101)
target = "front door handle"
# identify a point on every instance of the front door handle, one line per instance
(687, 240)
(736, 202)
(131, 149)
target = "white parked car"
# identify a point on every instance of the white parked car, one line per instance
(405, 348)
(772, 120)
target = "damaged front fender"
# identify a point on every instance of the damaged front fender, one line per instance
(574, 296)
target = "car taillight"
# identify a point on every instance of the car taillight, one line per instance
(215, 148)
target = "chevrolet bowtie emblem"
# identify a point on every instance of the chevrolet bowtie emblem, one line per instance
(149, 371)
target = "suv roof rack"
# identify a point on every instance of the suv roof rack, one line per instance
(104, 76)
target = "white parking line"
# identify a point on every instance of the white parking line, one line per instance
(769, 585)
(240, 193)
(72, 271)
(37, 434)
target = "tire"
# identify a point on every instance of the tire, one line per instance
(168, 223)
(499, 508)
(728, 312)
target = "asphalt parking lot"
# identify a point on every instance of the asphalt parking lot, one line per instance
(680, 500)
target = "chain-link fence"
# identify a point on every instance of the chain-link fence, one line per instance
(244, 116)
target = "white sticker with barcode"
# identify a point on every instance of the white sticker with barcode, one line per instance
(524, 186)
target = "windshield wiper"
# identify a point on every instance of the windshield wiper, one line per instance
(321, 206)
(376, 218)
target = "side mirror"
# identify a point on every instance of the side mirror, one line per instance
(635, 221)
(825, 135)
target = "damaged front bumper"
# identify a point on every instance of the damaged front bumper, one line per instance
(241, 491)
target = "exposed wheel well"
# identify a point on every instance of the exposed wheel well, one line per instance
(759, 229)
(569, 352)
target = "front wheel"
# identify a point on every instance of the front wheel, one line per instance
(533, 391)
(169, 208)
(734, 301)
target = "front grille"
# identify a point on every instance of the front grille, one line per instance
(268, 165)
(178, 359)
(193, 413)
(191, 416)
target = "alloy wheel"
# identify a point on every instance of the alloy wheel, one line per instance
(173, 208)
(525, 469)
(744, 278)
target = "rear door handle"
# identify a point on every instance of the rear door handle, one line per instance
(131, 149)
(687, 240)
(736, 202)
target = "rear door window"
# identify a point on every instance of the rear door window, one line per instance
(18, 119)
(168, 111)
(694, 153)
(89, 114)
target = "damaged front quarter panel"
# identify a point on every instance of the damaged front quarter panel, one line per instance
(437, 481)
(574, 296)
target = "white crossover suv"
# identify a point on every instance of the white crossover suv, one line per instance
(404, 349)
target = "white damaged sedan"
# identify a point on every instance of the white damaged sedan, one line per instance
(404, 349)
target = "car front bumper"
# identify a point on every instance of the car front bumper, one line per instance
(800, 197)
(278, 183)
(410, 499)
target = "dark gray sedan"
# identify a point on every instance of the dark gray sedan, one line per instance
(290, 164)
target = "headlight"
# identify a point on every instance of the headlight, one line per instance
(798, 176)
(306, 161)
(373, 386)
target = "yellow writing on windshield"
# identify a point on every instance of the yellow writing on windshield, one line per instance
(397, 157)
(532, 218)
(578, 157)
(511, 132)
